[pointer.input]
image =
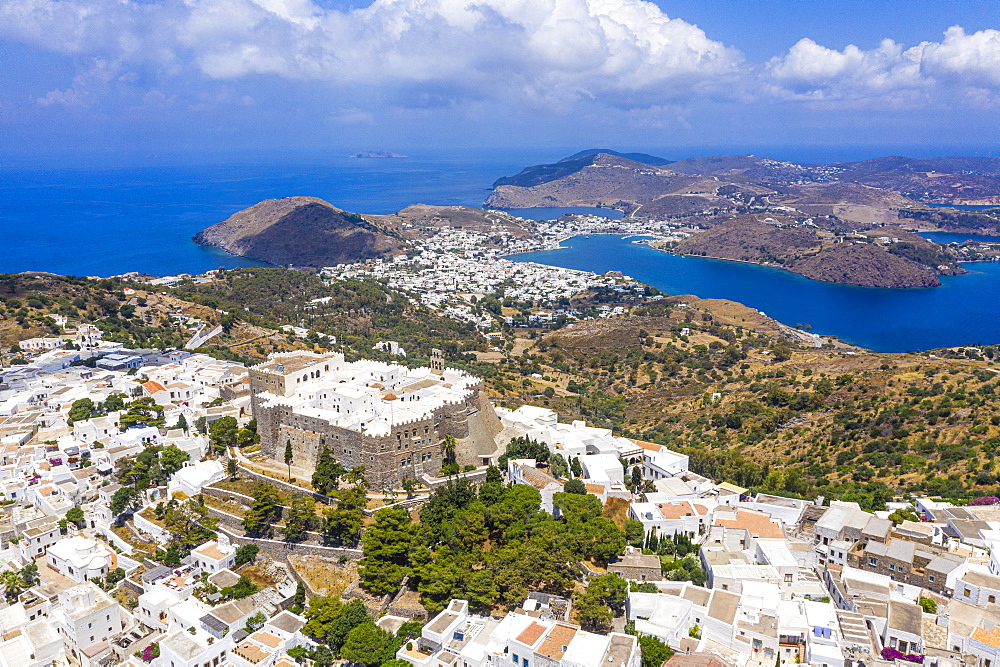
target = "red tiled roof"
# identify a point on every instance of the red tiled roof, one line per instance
(153, 386)
(530, 634)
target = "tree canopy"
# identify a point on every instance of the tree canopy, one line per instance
(490, 547)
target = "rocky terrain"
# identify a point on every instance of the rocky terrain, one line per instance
(868, 192)
(866, 266)
(304, 231)
(595, 180)
(422, 220)
(889, 257)
(307, 231)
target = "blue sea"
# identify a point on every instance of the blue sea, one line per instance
(556, 212)
(111, 220)
(965, 310)
(82, 219)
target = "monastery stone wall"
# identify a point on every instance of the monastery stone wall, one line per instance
(409, 451)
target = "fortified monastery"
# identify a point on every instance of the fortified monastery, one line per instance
(389, 418)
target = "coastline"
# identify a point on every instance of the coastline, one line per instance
(647, 242)
(794, 273)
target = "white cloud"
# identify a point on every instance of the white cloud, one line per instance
(972, 59)
(529, 50)
(441, 53)
(813, 72)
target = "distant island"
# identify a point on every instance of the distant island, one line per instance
(377, 154)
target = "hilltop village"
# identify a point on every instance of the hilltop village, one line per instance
(168, 507)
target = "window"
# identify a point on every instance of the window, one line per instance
(992, 599)
(516, 659)
(967, 592)
(930, 578)
(873, 562)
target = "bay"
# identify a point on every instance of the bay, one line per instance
(965, 310)
(955, 237)
(967, 207)
(556, 212)
(102, 218)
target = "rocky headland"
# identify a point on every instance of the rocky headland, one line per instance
(301, 231)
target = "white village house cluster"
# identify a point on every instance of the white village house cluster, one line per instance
(786, 580)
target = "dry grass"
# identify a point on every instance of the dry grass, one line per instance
(616, 509)
(255, 573)
(247, 487)
(325, 576)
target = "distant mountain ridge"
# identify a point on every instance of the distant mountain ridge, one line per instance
(544, 173)
(817, 205)
(938, 181)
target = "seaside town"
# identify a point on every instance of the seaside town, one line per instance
(447, 270)
(167, 508)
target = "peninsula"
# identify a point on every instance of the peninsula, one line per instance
(308, 231)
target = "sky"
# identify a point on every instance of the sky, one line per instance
(137, 77)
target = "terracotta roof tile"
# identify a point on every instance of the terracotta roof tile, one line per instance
(557, 641)
(153, 386)
(989, 637)
(755, 523)
(530, 634)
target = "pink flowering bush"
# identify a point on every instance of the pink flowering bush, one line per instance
(149, 653)
(890, 653)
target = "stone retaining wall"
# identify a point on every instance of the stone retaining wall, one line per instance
(234, 522)
(376, 605)
(477, 476)
(281, 550)
(284, 486)
(402, 504)
(232, 526)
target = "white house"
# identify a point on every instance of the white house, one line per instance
(87, 618)
(214, 556)
(523, 471)
(193, 477)
(668, 519)
(80, 558)
(667, 617)
(136, 435)
(37, 537)
(904, 627)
